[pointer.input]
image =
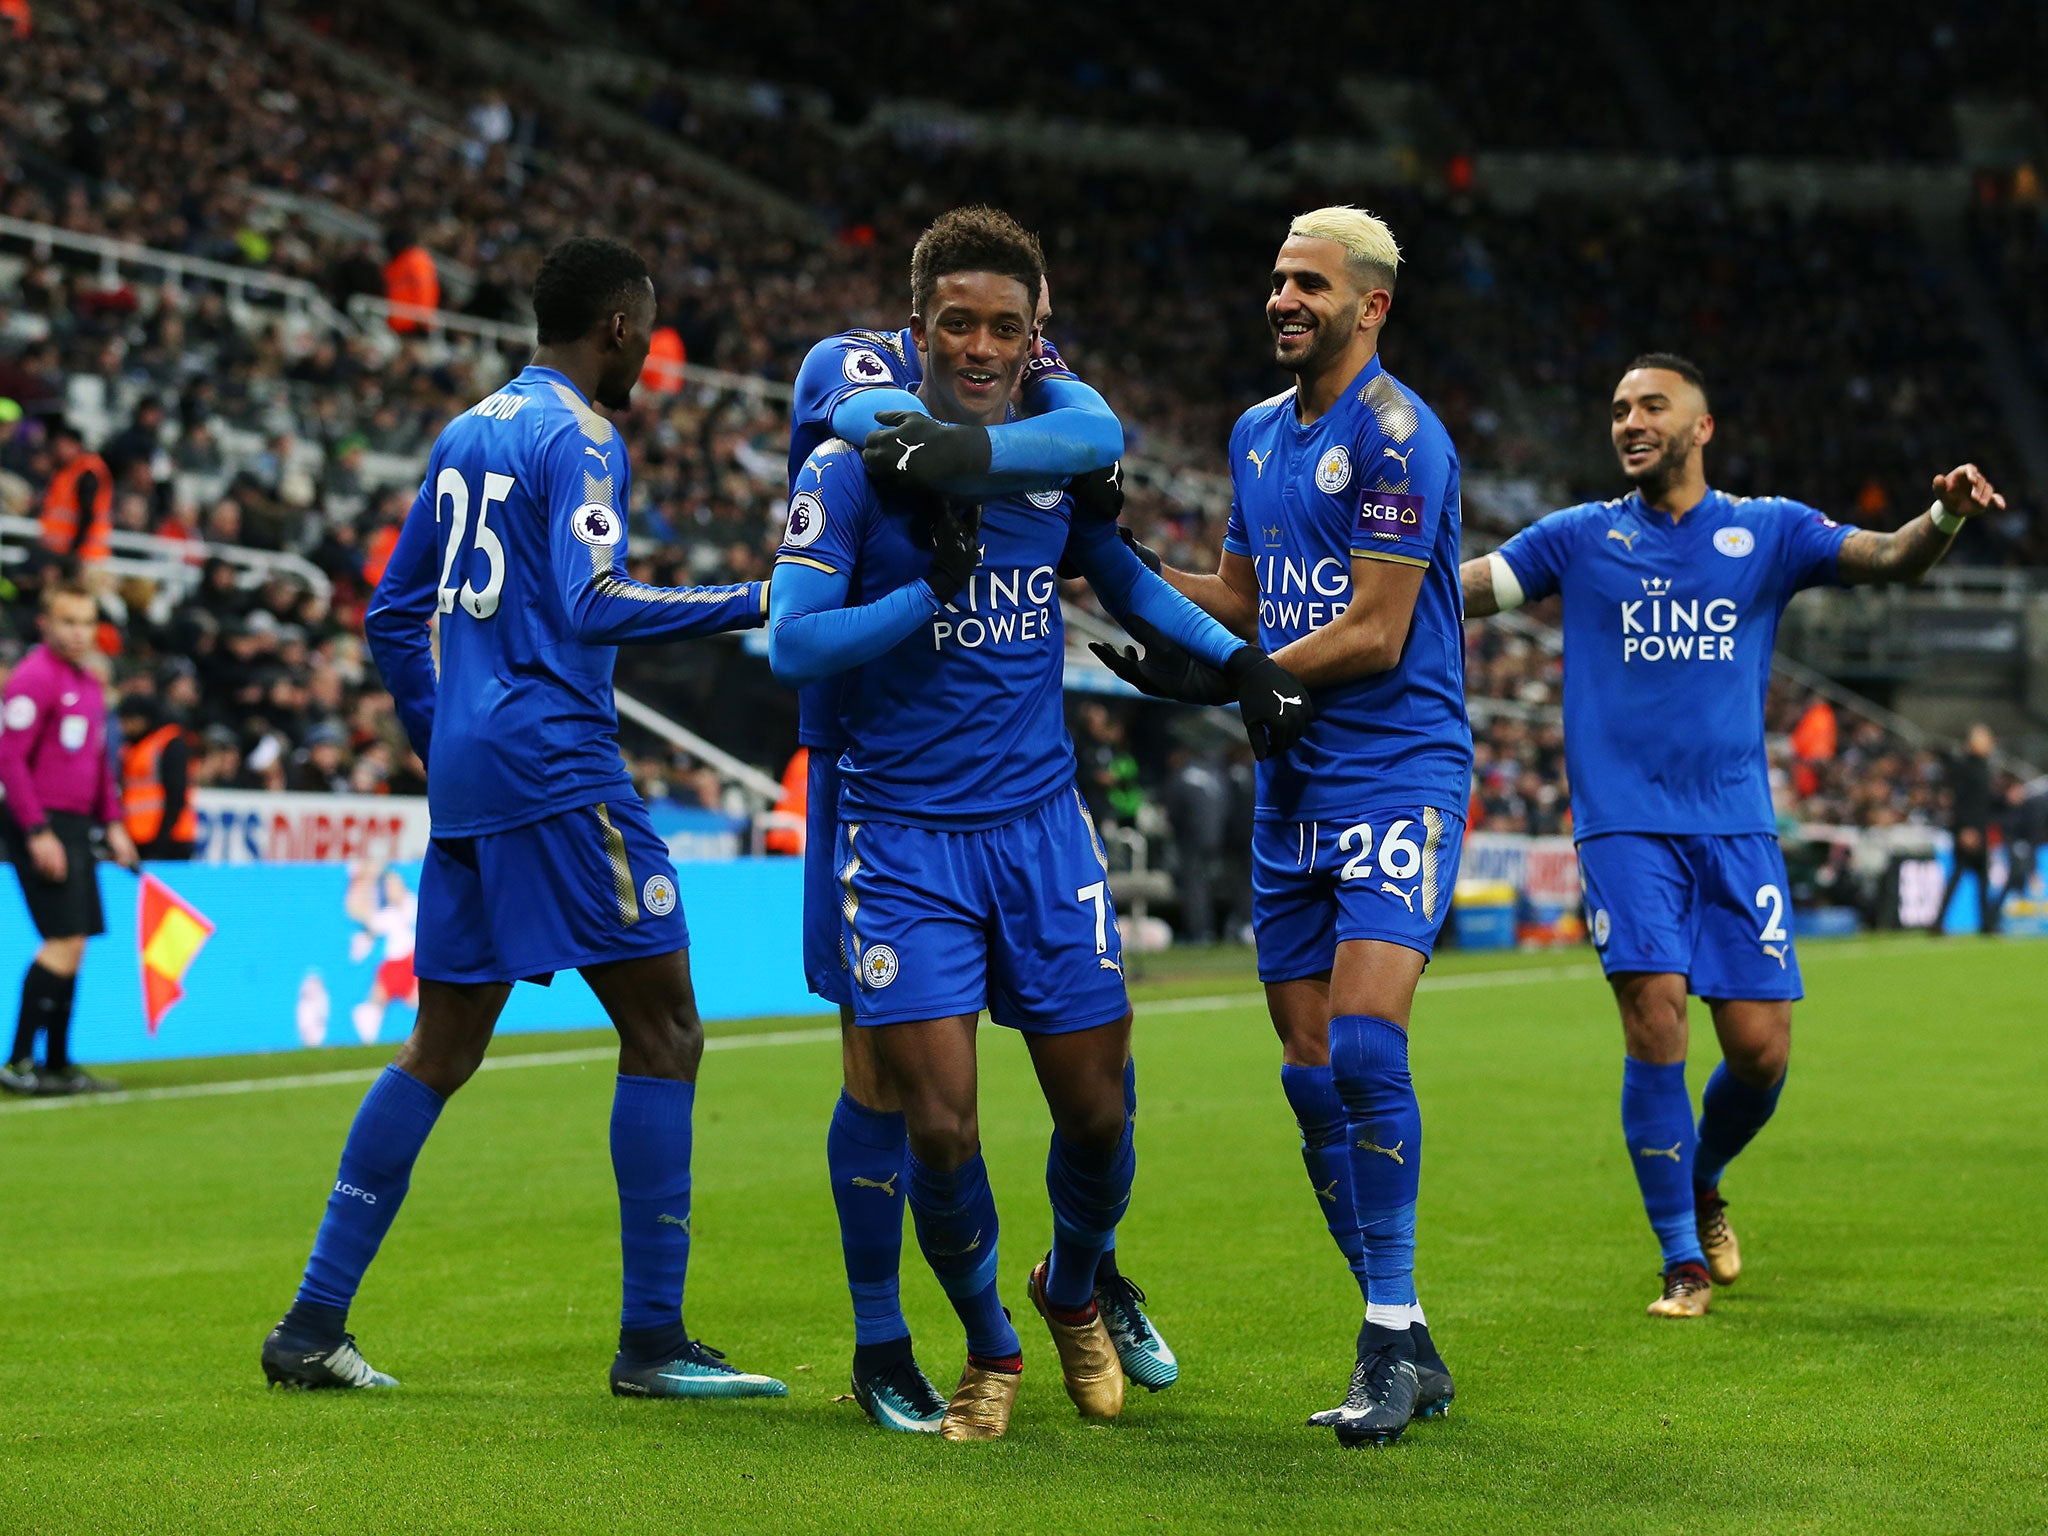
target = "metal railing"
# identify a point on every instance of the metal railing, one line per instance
(117, 255)
(180, 561)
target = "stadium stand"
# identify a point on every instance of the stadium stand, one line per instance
(271, 436)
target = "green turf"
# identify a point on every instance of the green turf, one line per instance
(1879, 1368)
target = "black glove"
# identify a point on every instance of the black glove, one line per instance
(955, 533)
(1272, 700)
(908, 448)
(1098, 494)
(1166, 670)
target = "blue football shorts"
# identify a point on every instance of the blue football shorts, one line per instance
(825, 969)
(579, 888)
(1381, 874)
(1016, 918)
(1713, 909)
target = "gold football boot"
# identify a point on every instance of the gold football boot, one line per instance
(980, 1408)
(1717, 1238)
(1088, 1362)
(1687, 1292)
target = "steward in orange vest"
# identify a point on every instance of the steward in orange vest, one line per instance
(156, 783)
(662, 373)
(410, 278)
(78, 506)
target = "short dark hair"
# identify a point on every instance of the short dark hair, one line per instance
(975, 240)
(1672, 362)
(580, 282)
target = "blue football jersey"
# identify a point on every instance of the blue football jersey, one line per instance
(961, 725)
(1668, 629)
(515, 541)
(1375, 478)
(836, 367)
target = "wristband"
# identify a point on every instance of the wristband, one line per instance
(1943, 520)
(1507, 588)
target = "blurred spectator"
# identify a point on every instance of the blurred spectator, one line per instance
(1970, 814)
(410, 278)
(78, 502)
(156, 780)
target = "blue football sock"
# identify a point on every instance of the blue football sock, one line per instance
(1326, 1152)
(1369, 1062)
(376, 1168)
(1105, 1267)
(865, 1151)
(651, 1162)
(955, 1214)
(1731, 1113)
(1090, 1193)
(1656, 1117)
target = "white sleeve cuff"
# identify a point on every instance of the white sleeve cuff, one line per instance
(1507, 590)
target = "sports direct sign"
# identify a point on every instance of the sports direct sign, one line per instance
(253, 826)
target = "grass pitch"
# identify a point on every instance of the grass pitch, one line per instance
(1879, 1367)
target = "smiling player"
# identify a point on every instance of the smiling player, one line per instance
(1064, 429)
(1671, 602)
(1341, 556)
(969, 873)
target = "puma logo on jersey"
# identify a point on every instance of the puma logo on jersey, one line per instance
(1670, 1151)
(1407, 896)
(1327, 1192)
(1399, 458)
(886, 1186)
(1367, 1144)
(601, 458)
(1628, 540)
(908, 449)
(1254, 455)
(1777, 953)
(1108, 964)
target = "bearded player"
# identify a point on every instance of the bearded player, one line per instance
(1672, 595)
(1341, 557)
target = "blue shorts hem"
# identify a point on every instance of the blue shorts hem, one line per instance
(1661, 965)
(917, 1015)
(546, 968)
(1064, 1027)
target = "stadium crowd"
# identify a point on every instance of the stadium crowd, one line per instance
(241, 426)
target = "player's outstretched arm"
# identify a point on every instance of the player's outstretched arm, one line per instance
(1128, 588)
(908, 447)
(1867, 557)
(811, 635)
(1476, 577)
(398, 623)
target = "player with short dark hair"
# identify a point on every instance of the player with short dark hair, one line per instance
(969, 872)
(1672, 596)
(543, 858)
(1066, 430)
(57, 769)
(1342, 556)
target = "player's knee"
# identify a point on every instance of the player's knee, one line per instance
(943, 1138)
(668, 1041)
(1095, 1128)
(1655, 1028)
(1760, 1063)
(443, 1064)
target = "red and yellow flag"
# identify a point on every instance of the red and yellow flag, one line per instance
(170, 932)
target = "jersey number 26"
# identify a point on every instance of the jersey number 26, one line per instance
(452, 491)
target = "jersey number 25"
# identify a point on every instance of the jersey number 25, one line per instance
(452, 491)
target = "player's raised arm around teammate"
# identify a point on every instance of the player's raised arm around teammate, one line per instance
(812, 633)
(1065, 428)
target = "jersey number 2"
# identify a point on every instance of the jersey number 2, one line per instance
(452, 489)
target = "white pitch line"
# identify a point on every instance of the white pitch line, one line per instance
(1210, 1004)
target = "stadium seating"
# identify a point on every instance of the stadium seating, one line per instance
(292, 431)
